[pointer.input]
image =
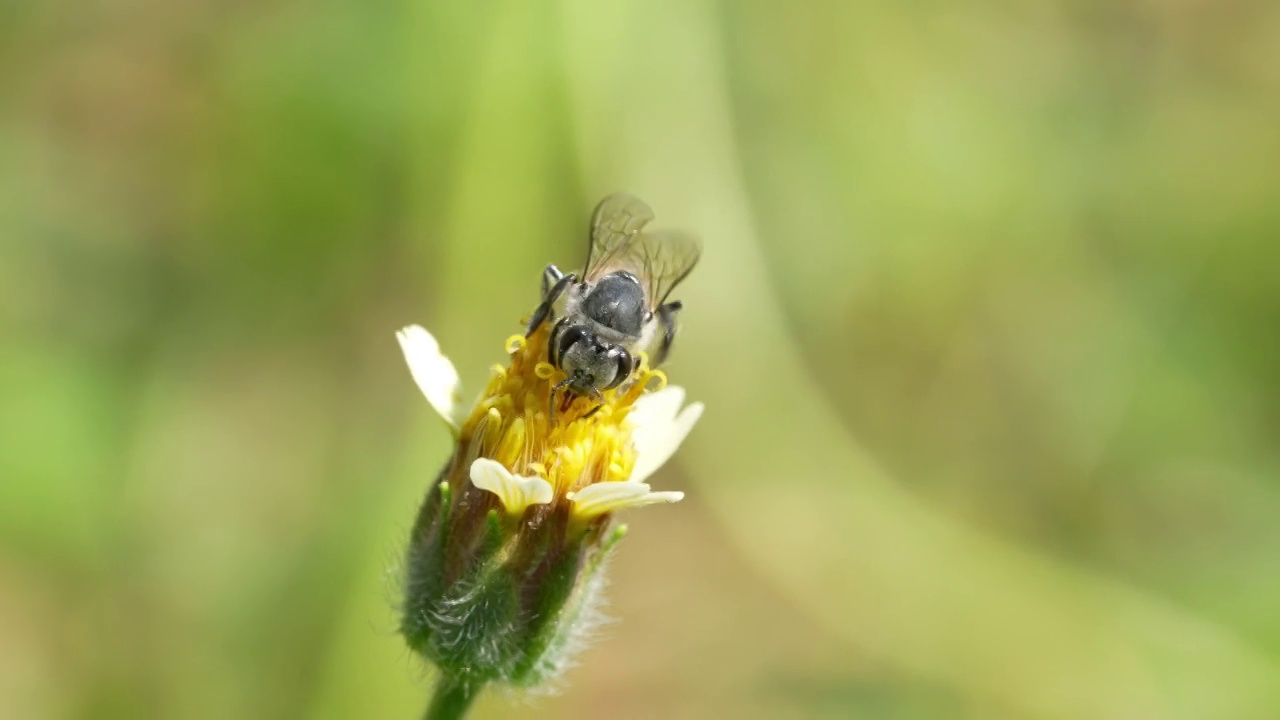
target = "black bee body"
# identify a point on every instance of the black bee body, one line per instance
(601, 323)
(618, 308)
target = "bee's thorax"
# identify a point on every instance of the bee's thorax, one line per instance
(617, 302)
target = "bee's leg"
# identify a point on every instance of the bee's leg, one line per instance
(667, 317)
(599, 398)
(551, 401)
(550, 276)
(553, 283)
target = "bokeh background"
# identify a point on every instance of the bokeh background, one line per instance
(988, 328)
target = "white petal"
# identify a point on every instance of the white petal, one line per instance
(600, 498)
(657, 407)
(515, 491)
(656, 441)
(431, 370)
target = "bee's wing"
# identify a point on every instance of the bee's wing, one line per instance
(615, 225)
(661, 260)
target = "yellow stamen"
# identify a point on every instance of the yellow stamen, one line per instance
(512, 444)
(661, 378)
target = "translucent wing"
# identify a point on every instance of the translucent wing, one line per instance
(615, 225)
(661, 260)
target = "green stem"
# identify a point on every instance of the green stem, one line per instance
(452, 698)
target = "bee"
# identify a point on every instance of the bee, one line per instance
(618, 307)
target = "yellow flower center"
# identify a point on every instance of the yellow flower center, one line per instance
(581, 442)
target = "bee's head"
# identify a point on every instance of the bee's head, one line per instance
(593, 365)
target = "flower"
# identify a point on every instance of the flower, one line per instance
(504, 561)
(654, 420)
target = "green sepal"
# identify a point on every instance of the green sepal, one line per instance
(493, 535)
(561, 615)
(473, 627)
(425, 565)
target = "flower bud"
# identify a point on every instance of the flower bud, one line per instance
(505, 561)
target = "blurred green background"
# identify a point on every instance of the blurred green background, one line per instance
(987, 324)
